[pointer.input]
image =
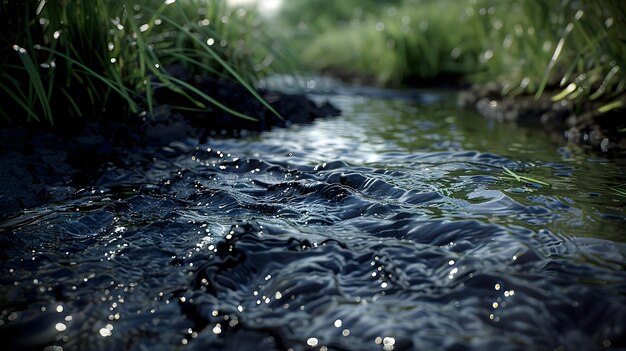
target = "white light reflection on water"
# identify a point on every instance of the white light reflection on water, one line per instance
(104, 332)
(312, 342)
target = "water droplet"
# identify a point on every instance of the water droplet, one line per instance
(312, 342)
(389, 341)
(579, 14)
(486, 56)
(217, 329)
(60, 327)
(455, 53)
(338, 323)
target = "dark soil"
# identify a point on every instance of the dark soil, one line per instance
(41, 164)
(579, 124)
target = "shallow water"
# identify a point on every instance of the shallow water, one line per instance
(391, 227)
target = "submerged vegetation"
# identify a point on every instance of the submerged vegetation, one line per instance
(574, 48)
(69, 59)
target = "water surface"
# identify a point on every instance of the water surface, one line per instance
(394, 227)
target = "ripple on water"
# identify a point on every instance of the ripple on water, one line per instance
(202, 249)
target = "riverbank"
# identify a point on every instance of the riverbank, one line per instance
(43, 164)
(581, 124)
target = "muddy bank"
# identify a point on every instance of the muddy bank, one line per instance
(565, 120)
(42, 164)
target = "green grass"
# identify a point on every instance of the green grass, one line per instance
(523, 179)
(573, 50)
(574, 47)
(71, 59)
(388, 45)
(79, 58)
(619, 190)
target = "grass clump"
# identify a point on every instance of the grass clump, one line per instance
(70, 59)
(573, 47)
(388, 43)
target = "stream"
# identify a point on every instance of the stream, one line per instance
(395, 226)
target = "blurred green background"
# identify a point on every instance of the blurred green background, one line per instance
(523, 46)
(79, 56)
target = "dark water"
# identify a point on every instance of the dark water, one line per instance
(392, 227)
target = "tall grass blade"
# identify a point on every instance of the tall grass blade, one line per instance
(611, 106)
(116, 86)
(72, 102)
(619, 190)
(221, 61)
(35, 79)
(149, 98)
(21, 101)
(211, 100)
(185, 58)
